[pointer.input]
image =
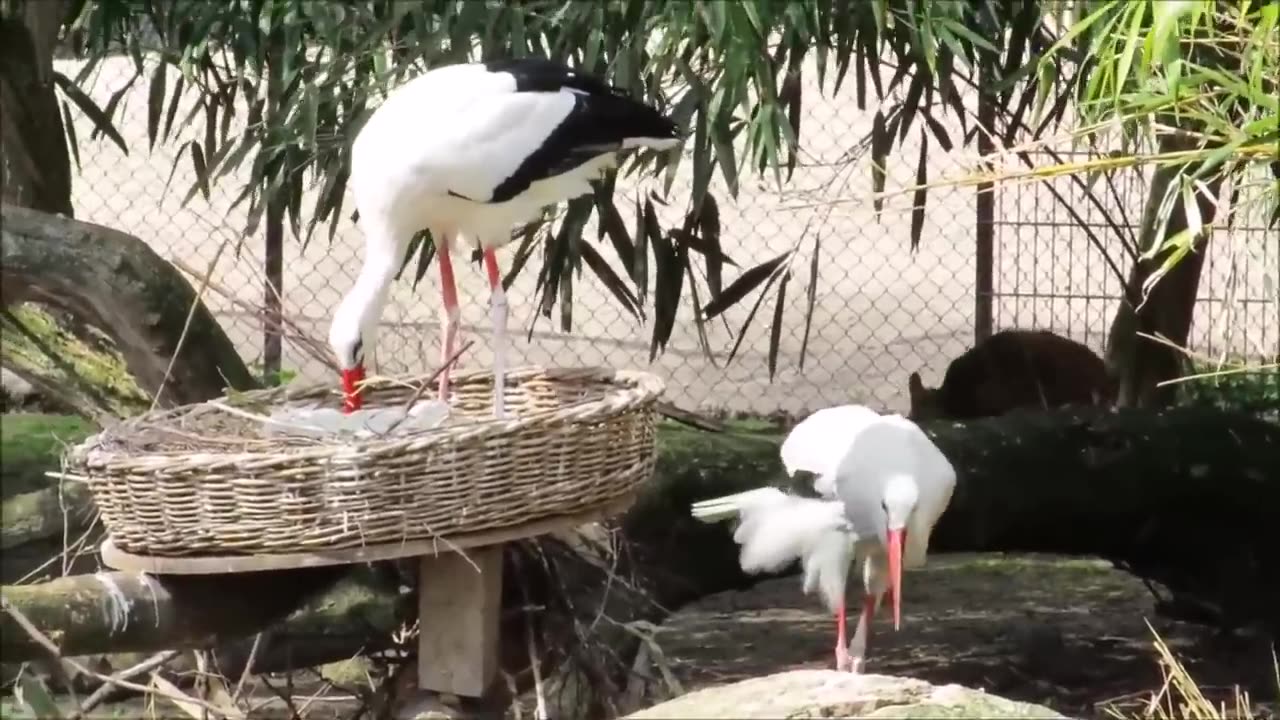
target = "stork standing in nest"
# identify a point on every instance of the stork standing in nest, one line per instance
(470, 151)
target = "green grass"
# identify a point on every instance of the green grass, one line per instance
(1251, 391)
(31, 443)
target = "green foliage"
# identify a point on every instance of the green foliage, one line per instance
(283, 376)
(31, 443)
(729, 73)
(1246, 389)
(1193, 84)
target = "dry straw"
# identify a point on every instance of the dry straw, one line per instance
(203, 479)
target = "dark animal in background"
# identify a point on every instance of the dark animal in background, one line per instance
(1014, 369)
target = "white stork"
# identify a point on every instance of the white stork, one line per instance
(882, 486)
(473, 150)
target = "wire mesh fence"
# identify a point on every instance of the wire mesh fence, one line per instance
(881, 310)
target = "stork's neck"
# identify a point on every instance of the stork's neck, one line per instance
(363, 304)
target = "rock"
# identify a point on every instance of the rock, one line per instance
(827, 693)
(14, 387)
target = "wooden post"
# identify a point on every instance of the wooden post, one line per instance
(458, 610)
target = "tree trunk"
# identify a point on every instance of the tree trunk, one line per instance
(1140, 364)
(1182, 497)
(273, 247)
(116, 283)
(35, 167)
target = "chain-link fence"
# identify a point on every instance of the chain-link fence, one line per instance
(880, 312)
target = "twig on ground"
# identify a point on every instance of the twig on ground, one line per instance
(248, 668)
(535, 662)
(513, 688)
(146, 666)
(647, 633)
(284, 695)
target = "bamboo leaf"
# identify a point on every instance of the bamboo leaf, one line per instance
(911, 104)
(742, 329)
(112, 102)
(921, 194)
(1190, 208)
(939, 132)
(609, 223)
(699, 323)
(811, 296)
(611, 280)
(174, 99)
(1138, 13)
(1175, 248)
(69, 126)
(749, 280)
(881, 140)
(90, 109)
(200, 169)
(566, 303)
(775, 328)
(426, 245)
(669, 263)
(640, 268)
(709, 229)
(155, 103)
(964, 32)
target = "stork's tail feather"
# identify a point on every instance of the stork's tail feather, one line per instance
(777, 529)
(730, 506)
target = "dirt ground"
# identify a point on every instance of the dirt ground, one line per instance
(1070, 634)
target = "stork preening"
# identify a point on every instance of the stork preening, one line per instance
(470, 151)
(882, 485)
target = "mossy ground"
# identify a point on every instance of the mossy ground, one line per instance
(32, 443)
(1067, 633)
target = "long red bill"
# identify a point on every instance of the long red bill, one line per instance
(351, 379)
(896, 538)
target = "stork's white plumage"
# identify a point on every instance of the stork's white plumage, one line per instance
(473, 150)
(882, 483)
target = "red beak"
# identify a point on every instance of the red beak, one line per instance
(351, 379)
(896, 538)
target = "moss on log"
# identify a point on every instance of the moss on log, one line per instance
(115, 283)
(89, 378)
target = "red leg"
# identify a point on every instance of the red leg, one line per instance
(498, 308)
(843, 661)
(858, 650)
(450, 315)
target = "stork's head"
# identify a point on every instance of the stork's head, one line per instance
(901, 495)
(350, 330)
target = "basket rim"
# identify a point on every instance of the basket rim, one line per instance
(632, 388)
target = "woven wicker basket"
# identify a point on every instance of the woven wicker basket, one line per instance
(199, 480)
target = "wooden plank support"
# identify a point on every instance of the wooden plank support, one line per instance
(458, 611)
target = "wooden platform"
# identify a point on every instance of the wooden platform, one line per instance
(459, 589)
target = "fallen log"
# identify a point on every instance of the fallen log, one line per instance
(43, 514)
(110, 283)
(1183, 497)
